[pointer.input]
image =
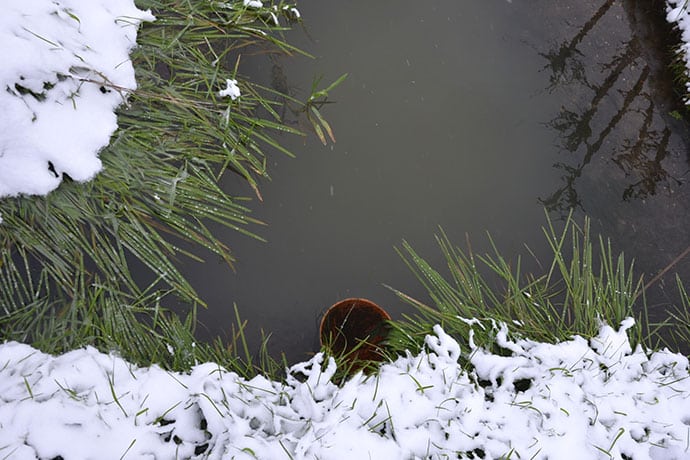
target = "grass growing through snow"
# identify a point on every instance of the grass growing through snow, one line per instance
(66, 259)
(584, 284)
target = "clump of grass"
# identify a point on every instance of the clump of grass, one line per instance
(66, 259)
(678, 65)
(136, 325)
(365, 355)
(577, 292)
(679, 334)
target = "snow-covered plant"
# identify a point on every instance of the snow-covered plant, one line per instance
(595, 399)
(66, 258)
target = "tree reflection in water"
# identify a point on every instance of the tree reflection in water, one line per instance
(610, 119)
(623, 157)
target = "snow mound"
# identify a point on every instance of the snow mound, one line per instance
(577, 399)
(65, 69)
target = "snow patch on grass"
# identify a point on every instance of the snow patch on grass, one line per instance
(231, 89)
(576, 399)
(65, 69)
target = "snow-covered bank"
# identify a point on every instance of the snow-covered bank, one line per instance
(577, 399)
(65, 69)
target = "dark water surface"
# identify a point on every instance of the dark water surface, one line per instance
(472, 115)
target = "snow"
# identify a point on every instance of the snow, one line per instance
(231, 89)
(65, 69)
(573, 400)
(253, 3)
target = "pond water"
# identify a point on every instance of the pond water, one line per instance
(470, 115)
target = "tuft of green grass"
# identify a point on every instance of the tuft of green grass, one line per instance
(679, 334)
(678, 60)
(576, 293)
(349, 361)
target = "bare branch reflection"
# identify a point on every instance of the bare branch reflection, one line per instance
(564, 61)
(610, 122)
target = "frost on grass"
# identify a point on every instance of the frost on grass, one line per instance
(573, 400)
(65, 69)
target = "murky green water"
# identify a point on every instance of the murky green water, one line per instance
(471, 115)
